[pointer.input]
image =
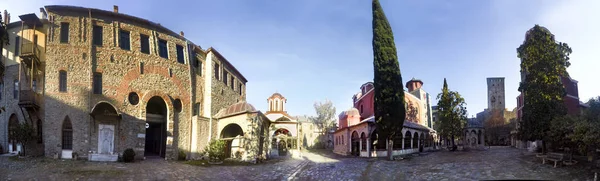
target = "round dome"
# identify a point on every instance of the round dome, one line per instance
(353, 112)
(237, 108)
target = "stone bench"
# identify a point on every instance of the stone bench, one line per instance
(555, 157)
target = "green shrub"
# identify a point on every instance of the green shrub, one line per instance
(182, 156)
(216, 150)
(128, 155)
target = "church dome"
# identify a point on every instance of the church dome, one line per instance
(235, 109)
(352, 112)
(277, 95)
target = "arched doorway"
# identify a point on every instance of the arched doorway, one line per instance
(156, 128)
(355, 144)
(416, 140)
(363, 139)
(407, 139)
(282, 140)
(13, 123)
(231, 134)
(67, 139)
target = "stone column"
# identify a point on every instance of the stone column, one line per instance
(359, 146)
(369, 146)
(403, 143)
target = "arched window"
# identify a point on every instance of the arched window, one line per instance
(62, 81)
(67, 135)
(407, 138)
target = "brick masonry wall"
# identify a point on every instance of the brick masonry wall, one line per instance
(223, 95)
(121, 74)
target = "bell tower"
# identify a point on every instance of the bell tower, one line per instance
(276, 103)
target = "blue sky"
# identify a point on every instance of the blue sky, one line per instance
(312, 50)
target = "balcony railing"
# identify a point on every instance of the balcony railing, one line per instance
(30, 52)
(28, 98)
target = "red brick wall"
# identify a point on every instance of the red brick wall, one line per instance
(366, 101)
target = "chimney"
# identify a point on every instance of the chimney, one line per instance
(115, 8)
(181, 33)
(7, 19)
(5, 15)
(44, 14)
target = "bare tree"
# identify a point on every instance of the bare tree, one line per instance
(325, 118)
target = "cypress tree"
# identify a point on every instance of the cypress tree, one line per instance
(389, 93)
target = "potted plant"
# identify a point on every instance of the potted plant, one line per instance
(216, 152)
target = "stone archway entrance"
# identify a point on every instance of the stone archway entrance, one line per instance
(231, 134)
(355, 144)
(106, 118)
(13, 123)
(283, 139)
(156, 128)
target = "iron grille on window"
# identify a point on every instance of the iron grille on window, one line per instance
(67, 135)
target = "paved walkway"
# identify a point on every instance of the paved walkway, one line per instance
(497, 163)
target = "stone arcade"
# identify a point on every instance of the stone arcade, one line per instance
(357, 135)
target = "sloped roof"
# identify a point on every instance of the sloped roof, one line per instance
(276, 116)
(235, 109)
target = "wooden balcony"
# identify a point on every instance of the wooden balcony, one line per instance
(29, 98)
(30, 54)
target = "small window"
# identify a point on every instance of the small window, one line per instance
(17, 45)
(217, 71)
(194, 59)
(97, 35)
(124, 40)
(64, 32)
(62, 81)
(145, 43)
(97, 83)
(240, 89)
(16, 89)
(180, 57)
(232, 83)
(162, 49)
(225, 77)
(196, 109)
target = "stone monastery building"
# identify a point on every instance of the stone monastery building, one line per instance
(357, 135)
(93, 83)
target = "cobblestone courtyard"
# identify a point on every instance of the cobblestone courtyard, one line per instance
(497, 163)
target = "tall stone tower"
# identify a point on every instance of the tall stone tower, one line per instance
(496, 93)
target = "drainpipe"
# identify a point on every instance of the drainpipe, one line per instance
(91, 127)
